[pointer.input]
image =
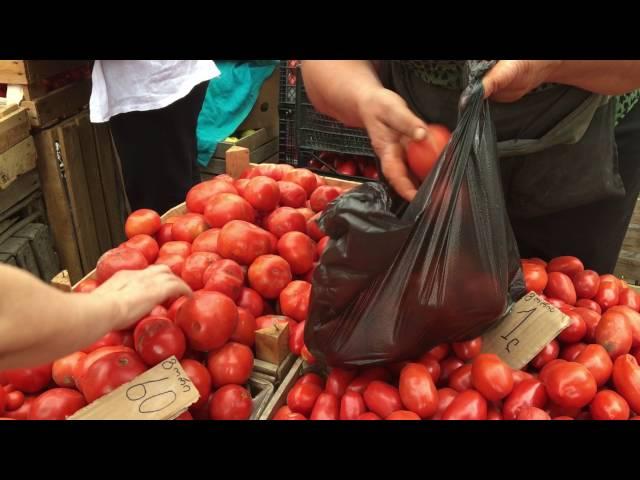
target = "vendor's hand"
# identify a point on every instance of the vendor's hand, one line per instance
(510, 80)
(391, 125)
(134, 293)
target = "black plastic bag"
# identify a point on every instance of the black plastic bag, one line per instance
(397, 279)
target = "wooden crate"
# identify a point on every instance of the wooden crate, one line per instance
(78, 172)
(29, 72)
(265, 111)
(14, 126)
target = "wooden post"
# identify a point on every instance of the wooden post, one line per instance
(237, 160)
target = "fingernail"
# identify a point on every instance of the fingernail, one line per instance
(420, 134)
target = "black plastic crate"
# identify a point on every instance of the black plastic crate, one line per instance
(287, 148)
(288, 80)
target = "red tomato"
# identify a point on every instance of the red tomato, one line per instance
(447, 367)
(83, 364)
(323, 196)
(285, 413)
(245, 331)
(230, 364)
(184, 416)
(544, 372)
(576, 330)
(432, 364)
(109, 372)
(589, 304)
(572, 351)
(22, 412)
(175, 248)
(208, 320)
(369, 416)
(608, 405)
(313, 378)
(614, 333)
(537, 261)
(528, 393)
(440, 352)
(359, 384)
(307, 213)
(143, 221)
(174, 262)
(3, 400)
(307, 356)
(222, 208)
(559, 286)
(294, 300)
(633, 318)
(188, 228)
(571, 384)
(591, 319)
(557, 303)
(549, 352)
(468, 405)
(445, 397)
(535, 277)
(251, 300)
(351, 406)
(201, 379)
(629, 298)
(158, 338)
(145, 245)
(86, 286)
(570, 266)
(269, 275)
(532, 413)
(327, 407)
(231, 402)
(382, 398)
(29, 380)
(243, 242)
(303, 177)
(417, 390)
(118, 259)
(338, 380)
(194, 267)
(292, 195)
(262, 193)
(173, 309)
(460, 380)
(200, 194)
(56, 404)
(322, 246)
(62, 369)
(403, 415)
(586, 283)
(608, 292)
(224, 276)
(302, 397)
(313, 229)
(626, 379)
(491, 377)
(422, 156)
(285, 219)
(346, 166)
(519, 376)
(108, 340)
(467, 350)
(207, 241)
(298, 250)
(14, 400)
(164, 234)
(266, 321)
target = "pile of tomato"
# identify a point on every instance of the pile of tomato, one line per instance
(590, 371)
(246, 247)
(345, 164)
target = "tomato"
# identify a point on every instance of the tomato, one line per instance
(175, 248)
(222, 208)
(440, 352)
(445, 397)
(467, 350)
(208, 320)
(327, 407)
(528, 393)
(56, 404)
(571, 384)
(109, 372)
(296, 338)
(633, 318)
(313, 378)
(86, 286)
(382, 398)
(422, 156)
(231, 402)
(608, 405)
(307, 356)
(532, 413)
(245, 331)
(302, 397)
(251, 301)
(285, 413)
(568, 265)
(3, 400)
(460, 379)
(346, 166)
(491, 377)
(351, 406)
(403, 415)
(313, 229)
(535, 277)
(549, 352)
(62, 369)
(591, 319)
(145, 244)
(432, 364)
(322, 246)
(626, 379)
(307, 213)
(22, 412)
(158, 338)
(467, 405)
(262, 193)
(188, 228)
(298, 250)
(164, 234)
(519, 376)
(359, 384)
(200, 194)
(109, 339)
(447, 367)
(29, 380)
(572, 351)
(303, 177)
(143, 221)
(224, 276)
(201, 379)
(195, 266)
(537, 261)
(561, 287)
(118, 259)
(269, 275)
(284, 220)
(608, 292)
(589, 304)
(83, 364)
(557, 303)
(173, 309)
(576, 330)
(292, 195)
(629, 298)
(322, 196)
(14, 400)
(369, 416)
(207, 241)
(586, 283)
(230, 364)
(271, 170)
(266, 321)
(294, 300)
(243, 242)
(544, 372)
(338, 380)
(614, 333)
(417, 390)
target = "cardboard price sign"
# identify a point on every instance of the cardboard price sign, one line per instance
(530, 325)
(161, 393)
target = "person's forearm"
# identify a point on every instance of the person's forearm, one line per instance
(39, 324)
(336, 87)
(607, 77)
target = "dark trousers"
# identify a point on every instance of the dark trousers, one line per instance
(158, 151)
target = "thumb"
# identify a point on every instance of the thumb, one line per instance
(499, 77)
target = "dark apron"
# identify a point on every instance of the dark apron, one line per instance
(557, 148)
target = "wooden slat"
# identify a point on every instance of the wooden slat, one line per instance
(7, 259)
(19, 159)
(23, 72)
(14, 127)
(58, 104)
(40, 241)
(251, 142)
(13, 71)
(17, 195)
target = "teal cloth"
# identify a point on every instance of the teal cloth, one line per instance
(229, 100)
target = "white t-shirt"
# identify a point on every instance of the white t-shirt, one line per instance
(121, 86)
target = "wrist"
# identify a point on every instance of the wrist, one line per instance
(556, 71)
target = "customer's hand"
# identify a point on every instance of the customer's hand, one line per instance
(510, 80)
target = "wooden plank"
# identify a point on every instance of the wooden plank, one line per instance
(14, 127)
(251, 142)
(264, 113)
(7, 259)
(62, 281)
(19, 194)
(13, 71)
(19, 159)
(262, 153)
(40, 241)
(58, 104)
(23, 72)
(237, 160)
(21, 250)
